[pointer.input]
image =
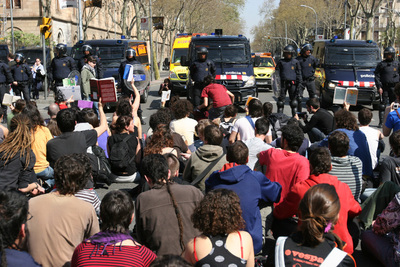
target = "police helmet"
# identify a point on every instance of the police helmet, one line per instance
(61, 49)
(389, 51)
(87, 47)
(202, 51)
(305, 48)
(130, 52)
(19, 56)
(288, 50)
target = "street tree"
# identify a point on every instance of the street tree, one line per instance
(369, 8)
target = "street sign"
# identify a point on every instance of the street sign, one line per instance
(144, 24)
(320, 37)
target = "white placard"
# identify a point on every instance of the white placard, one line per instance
(165, 95)
(71, 90)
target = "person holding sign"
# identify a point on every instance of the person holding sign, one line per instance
(165, 87)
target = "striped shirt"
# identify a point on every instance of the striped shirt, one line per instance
(89, 195)
(349, 171)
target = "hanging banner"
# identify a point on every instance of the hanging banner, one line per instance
(144, 24)
(68, 3)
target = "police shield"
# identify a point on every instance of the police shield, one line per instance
(137, 73)
(276, 84)
(74, 77)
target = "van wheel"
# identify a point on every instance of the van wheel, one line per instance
(143, 98)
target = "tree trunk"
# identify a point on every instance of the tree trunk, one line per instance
(155, 65)
(369, 32)
(138, 20)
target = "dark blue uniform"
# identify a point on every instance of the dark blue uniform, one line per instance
(198, 71)
(5, 79)
(308, 65)
(290, 74)
(22, 75)
(60, 68)
(99, 67)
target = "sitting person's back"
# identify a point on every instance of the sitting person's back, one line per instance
(390, 167)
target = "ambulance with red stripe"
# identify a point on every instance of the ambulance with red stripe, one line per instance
(347, 63)
(233, 62)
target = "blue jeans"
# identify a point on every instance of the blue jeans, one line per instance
(380, 247)
(47, 175)
(316, 135)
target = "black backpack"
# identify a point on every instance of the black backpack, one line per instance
(119, 155)
(103, 172)
(277, 121)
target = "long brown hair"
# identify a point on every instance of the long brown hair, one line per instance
(160, 139)
(19, 140)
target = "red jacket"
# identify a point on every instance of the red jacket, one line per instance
(349, 207)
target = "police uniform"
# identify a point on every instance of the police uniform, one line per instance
(121, 83)
(387, 74)
(61, 67)
(198, 71)
(5, 79)
(308, 64)
(290, 74)
(22, 75)
(99, 67)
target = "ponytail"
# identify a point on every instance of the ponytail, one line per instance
(178, 215)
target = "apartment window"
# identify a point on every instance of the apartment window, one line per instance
(17, 4)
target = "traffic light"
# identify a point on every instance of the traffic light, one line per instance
(45, 28)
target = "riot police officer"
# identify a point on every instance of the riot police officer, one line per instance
(5, 79)
(22, 75)
(387, 74)
(289, 71)
(308, 64)
(199, 69)
(61, 66)
(130, 55)
(87, 51)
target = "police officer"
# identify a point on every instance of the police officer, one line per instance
(289, 71)
(5, 79)
(87, 51)
(22, 75)
(199, 69)
(387, 74)
(61, 66)
(308, 64)
(130, 55)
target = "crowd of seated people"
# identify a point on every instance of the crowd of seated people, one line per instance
(197, 188)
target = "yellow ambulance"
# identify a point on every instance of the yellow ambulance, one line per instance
(179, 74)
(264, 70)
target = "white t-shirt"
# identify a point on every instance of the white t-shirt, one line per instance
(244, 129)
(373, 141)
(184, 127)
(255, 146)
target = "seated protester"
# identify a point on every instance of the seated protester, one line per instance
(383, 241)
(173, 165)
(124, 151)
(277, 143)
(222, 243)
(389, 169)
(244, 127)
(15, 109)
(251, 186)
(61, 101)
(113, 245)
(182, 124)
(3, 130)
(14, 214)
(17, 159)
(60, 221)
(319, 213)
(320, 164)
(392, 120)
(73, 142)
(374, 136)
(199, 132)
(257, 144)
(226, 122)
(220, 96)
(348, 169)
(267, 111)
(320, 124)
(346, 122)
(53, 128)
(286, 166)
(163, 213)
(207, 159)
(52, 111)
(161, 142)
(165, 87)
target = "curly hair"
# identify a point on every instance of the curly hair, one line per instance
(394, 141)
(320, 160)
(69, 175)
(182, 108)
(319, 207)
(346, 120)
(160, 139)
(123, 107)
(162, 116)
(219, 213)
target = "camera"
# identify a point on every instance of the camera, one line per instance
(301, 114)
(395, 105)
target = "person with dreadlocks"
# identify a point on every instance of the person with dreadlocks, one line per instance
(17, 158)
(13, 214)
(113, 245)
(163, 213)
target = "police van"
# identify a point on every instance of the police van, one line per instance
(346, 63)
(232, 58)
(112, 52)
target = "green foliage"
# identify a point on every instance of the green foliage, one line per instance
(23, 39)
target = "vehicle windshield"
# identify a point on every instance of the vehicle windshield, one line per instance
(227, 51)
(177, 53)
(266, 62)
(352, 56)
(110, 56)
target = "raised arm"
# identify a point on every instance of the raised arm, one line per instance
(103, 120)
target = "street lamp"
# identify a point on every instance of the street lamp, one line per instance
(316, 19)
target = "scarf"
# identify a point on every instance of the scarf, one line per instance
(88, 67)
(107, 238)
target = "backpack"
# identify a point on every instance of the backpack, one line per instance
(277, 121)
(103, 168)
(226, 127)
(119, 155)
